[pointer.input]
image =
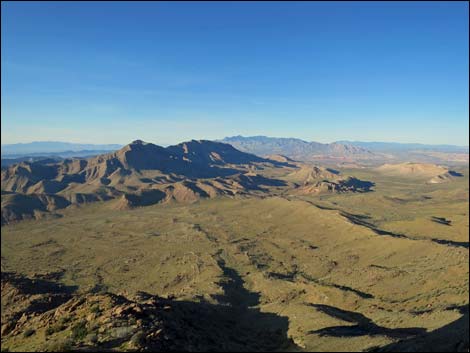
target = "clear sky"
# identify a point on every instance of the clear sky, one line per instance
(166, 72)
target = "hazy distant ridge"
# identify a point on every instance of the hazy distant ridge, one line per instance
(293, 147)
(397, 146)
(53, 147)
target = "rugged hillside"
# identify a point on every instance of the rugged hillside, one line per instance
(138, 174)
(280, 158)
(52, 317)
(142, 174)
(314, 180)
(432, 173)
(445, 177)
(208, 152)
(412, 169)
(296, 148)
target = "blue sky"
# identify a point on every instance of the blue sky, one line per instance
(168, 72)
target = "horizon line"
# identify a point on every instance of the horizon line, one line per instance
(248, 136)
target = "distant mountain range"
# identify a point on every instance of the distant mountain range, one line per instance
(10, 161)
(9, 158)
(403, 147)
(48, 147)
(295, 148)
(340, 151)
(349, 151)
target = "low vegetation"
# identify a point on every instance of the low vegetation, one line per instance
(276, 269)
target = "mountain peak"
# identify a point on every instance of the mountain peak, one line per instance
(212, 152)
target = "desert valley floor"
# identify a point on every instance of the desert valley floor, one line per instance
(384, 269)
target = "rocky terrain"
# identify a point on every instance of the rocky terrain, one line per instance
(315, 180)
(139, 174)
(142, 174)
(54, 317)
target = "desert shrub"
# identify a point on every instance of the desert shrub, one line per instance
(137, 339)
(58, 346)
(121, 332)
(65, 319)
(79, 331)
(95, 309)
(28, 332)
(55, 328)
(92, 338)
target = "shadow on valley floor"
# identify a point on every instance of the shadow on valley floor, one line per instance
(363, 326)
(360, 186)
(235, 294)
(234, 324)
(222, 328)
(452, 337)
(360, 220)
(39, 284)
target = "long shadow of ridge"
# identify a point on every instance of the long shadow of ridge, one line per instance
(453, 337)
(363, 326)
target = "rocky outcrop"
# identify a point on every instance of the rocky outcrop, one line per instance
(42, 315)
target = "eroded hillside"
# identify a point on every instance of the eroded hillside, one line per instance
(142, 174)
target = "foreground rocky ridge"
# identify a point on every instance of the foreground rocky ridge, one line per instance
(40, 315)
